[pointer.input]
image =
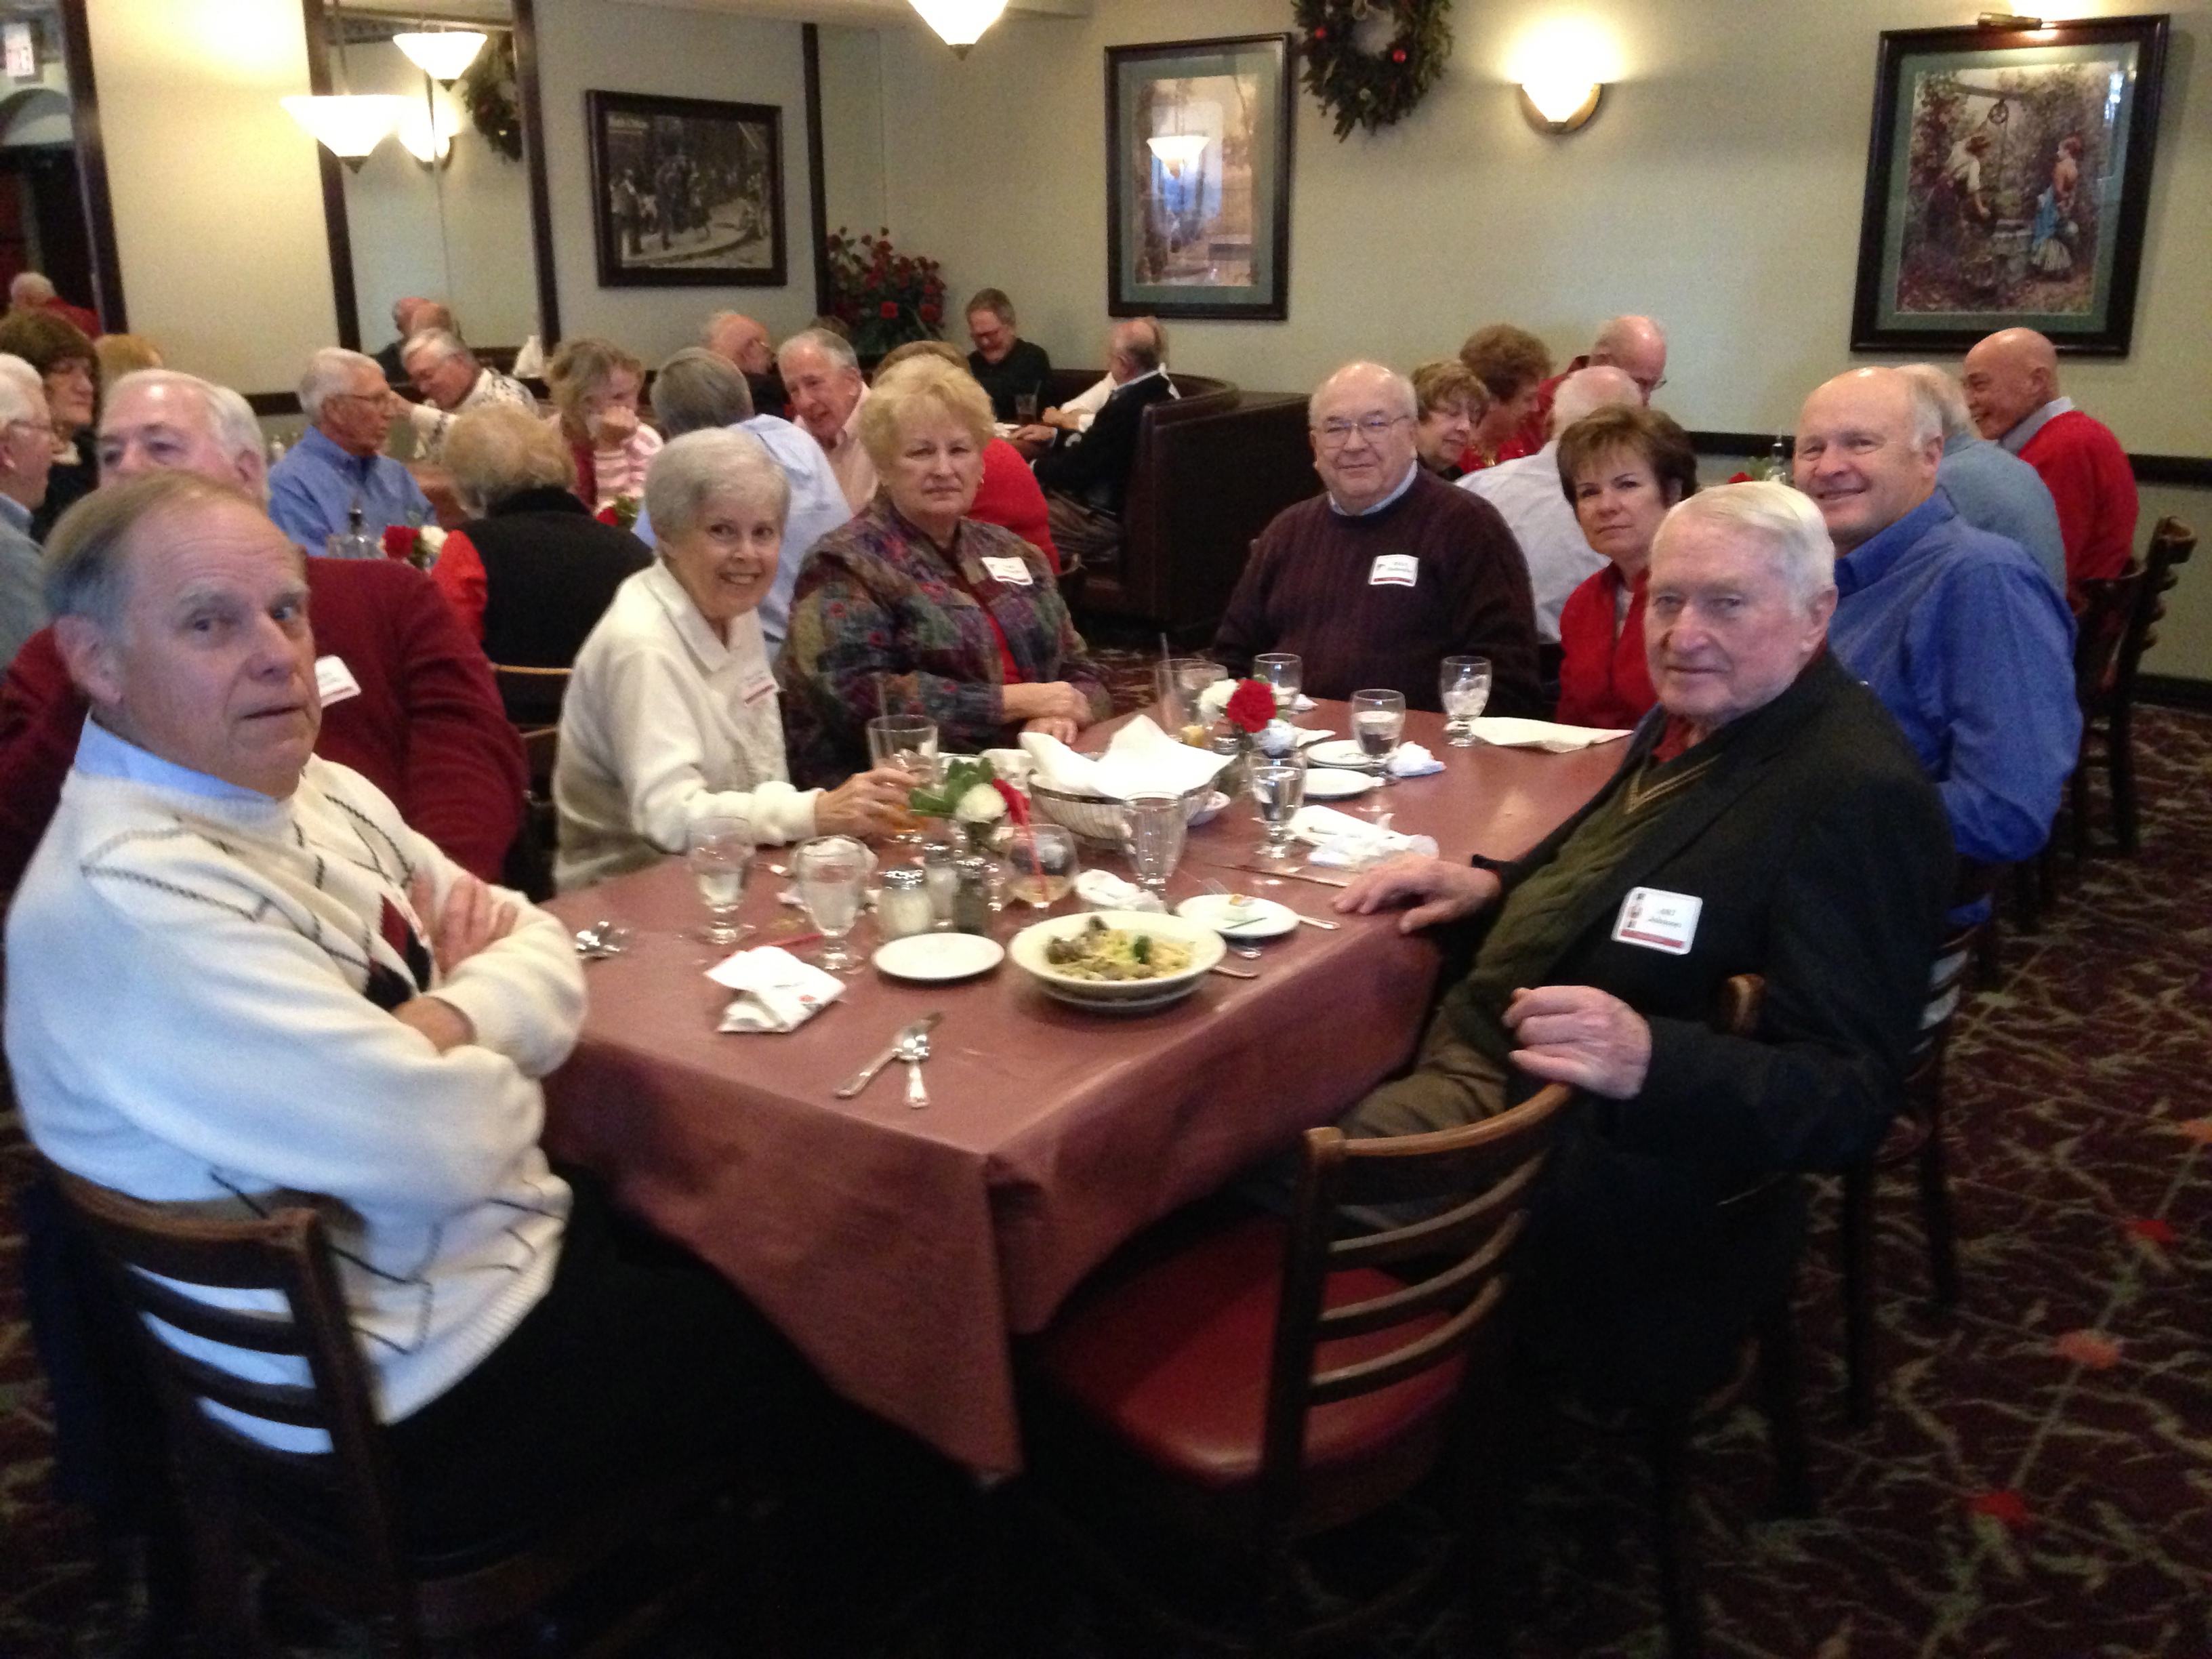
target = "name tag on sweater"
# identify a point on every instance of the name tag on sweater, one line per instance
(1394, 570)
(755, 686)
(1658, 921)
(1014, 572)
(334, 681)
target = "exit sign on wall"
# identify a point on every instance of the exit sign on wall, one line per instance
(21, 43)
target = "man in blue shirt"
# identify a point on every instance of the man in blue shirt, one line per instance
(340, 461)
(1957, 632)
(1989, 486)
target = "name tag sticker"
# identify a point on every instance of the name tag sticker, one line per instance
(334, 681)
(1014, 572)
(1658, 921)
(1394, 570)
(754, 686)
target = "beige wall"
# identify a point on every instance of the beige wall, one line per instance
(854, 188)
(1718, 188)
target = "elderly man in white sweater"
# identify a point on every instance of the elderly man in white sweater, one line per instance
(671, 713)
(235, 973)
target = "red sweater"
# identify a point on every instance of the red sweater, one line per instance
(1011, 498)
(2087, 471)
(428, 728)
(1604, 677)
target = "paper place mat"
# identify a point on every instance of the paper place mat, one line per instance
(1508, 733)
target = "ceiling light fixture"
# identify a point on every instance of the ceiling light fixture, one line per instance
(959, 23)
(442, 54)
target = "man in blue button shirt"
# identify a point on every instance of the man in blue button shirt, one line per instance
(340, 461)
(1957, 632)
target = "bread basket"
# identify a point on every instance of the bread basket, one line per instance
(1097, 818)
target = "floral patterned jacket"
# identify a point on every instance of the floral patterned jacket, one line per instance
(880, 613)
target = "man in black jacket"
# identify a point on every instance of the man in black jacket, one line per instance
(1085, 479)
(1768, 819)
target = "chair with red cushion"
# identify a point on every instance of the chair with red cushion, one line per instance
(1274, 1381)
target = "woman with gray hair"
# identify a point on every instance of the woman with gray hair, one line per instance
(673, 713)
(531, 572)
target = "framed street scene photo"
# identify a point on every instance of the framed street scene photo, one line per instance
(686, 193)
(1198, 179)
(2006, 185)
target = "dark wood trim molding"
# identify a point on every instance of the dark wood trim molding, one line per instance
(92, 169)
(273, 403)
(2175, 691)
(344, 301)
(817, 182)
(533, 157)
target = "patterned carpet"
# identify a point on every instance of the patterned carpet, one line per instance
(2038, 1485)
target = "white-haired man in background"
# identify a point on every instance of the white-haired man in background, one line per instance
(451, 382)
(26, 455)
(823, 379)
(339, 463)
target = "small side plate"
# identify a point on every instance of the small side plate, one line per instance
(1337, 751)
(1257, 918)
(932, 956)
(1322, 784)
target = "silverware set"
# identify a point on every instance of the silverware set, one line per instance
(910, 1045)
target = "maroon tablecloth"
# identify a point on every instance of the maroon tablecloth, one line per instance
(899, 1249)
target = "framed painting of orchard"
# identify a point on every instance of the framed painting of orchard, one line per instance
(2007, 181)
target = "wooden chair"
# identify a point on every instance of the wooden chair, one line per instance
(1916, 1138)
(1269, 1383)
(355, 1564)
(533, 698)
(2108, 716)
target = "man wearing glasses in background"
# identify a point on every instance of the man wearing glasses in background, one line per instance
(1376, 582)
(340, 461)
(27, 454)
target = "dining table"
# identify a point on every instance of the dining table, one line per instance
(903, 1251)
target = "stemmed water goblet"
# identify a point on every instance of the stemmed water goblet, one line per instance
(1152, 834)
(1463, 687)
(830, 873)
(1279, 789)
(1378, 720)
(719, 852)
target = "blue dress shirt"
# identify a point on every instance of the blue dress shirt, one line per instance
(1994, 489)
(312, 488)
(1968, 644)
(818, 507)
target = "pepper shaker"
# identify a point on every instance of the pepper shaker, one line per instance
(972, 900)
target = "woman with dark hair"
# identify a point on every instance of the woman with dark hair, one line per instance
(65, 360)
(1512, 363)
(1624, 468)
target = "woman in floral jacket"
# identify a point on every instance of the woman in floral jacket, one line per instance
(914, 608)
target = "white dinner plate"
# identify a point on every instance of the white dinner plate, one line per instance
(1255, 918)
(1339, 751)
(939, 955)
(1322, 784)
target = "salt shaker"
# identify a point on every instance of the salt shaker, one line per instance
(902, 907)
(940, 878)
(972, 900)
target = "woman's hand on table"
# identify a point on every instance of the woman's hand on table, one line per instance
(1439, 891)
(1052, 727)
(865, 804)
(1054, 699)
(1580, 1035)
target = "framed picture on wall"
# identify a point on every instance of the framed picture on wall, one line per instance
(1198, 179)
(686, 193)
(2006, 185)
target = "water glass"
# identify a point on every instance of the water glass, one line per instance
(1025, 407)
(1178, 681)
(1279, 789)
(719, 852)
(1281, 671)
(907, 742)
(1041, 864)
(830, 873)
(1378, 720)
(1152, 836)
(1463, 686)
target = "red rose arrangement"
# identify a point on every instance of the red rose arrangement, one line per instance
(1251, 707)
(886, 297)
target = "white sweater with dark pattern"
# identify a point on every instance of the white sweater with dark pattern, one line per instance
(197, 1009)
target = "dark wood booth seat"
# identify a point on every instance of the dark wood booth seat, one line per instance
(1213, 466)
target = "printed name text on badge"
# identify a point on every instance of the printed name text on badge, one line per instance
(1394, 570)
(1015, 573)
(1658, 920)
(334, 681)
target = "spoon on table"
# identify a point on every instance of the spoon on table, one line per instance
(914, 1048)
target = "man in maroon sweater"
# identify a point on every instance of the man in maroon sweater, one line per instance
(1376, 582)
(425, 724)
(2012, 391)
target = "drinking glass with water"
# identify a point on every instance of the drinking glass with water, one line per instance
(719, 852)
(1378, 720)
(830, 873)
(1279, 791)
(1463, 684)
(1152, 834)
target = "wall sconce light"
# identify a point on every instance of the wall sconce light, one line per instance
(1562, 102)
(349, 127)
(959, 23)
(427, 133)
(441, 55)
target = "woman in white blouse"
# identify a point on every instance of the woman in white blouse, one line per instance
(671, 713)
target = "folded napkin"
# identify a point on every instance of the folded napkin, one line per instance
(1411, 761)
(1141, 760)
(1507, 733)
(1303, 703)
(1341, 840)
(1101, 889)
(776, 992)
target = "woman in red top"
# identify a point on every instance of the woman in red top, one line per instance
(1622, 469)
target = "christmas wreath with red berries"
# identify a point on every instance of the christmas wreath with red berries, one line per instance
(1367, 72)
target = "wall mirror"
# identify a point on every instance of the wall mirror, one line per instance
(453, 206)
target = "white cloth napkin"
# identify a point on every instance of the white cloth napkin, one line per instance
(776, 992)
(1508, 733)
(1011, 765)
(1341, 840)
(1102, 890)
(1141, 760)
(1411, 761)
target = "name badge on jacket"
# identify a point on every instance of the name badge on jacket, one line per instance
(756, 685)
(1658, 921)
(1014, 572)
(334, 681)
(1394, 570)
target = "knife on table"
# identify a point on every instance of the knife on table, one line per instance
(862, 1079)
(1291, 875)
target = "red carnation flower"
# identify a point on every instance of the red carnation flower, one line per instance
(606, 515)
(399, 541)
(888, 310)
(1251, 706)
